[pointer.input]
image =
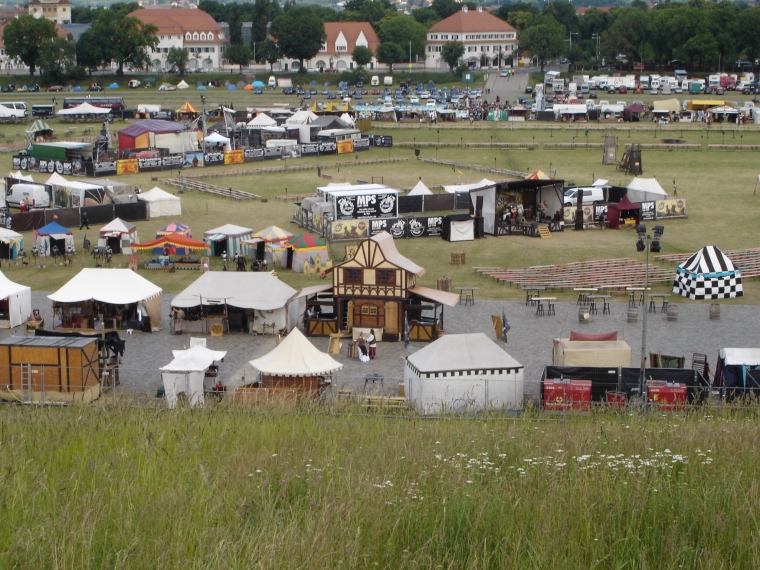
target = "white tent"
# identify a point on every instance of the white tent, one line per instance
(262, 120)
(348, 119)
(185, 374)
(453, 188)
(217, 138)
(15, 303)
(182, 85)
(56, 180)
(599, 182)
(462, 372)
(302, 117)
(645, 190)
(84, 109)
(263, 298)
(296, 356)
(11, 244)
(419, 190)
(228, 238)
(18, 175)
(113, 287)
(119, 235)
(161, 203)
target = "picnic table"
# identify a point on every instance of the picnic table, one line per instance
(583, 294)
(605, 304)
(531, 293)
(469, 297)
(540, 306)
(632, 295)
(653, 304)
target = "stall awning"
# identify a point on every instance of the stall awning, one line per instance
(174, 240)
(442, 297)
(194, 359)
(113, 286)
(307, 291)
(296, 356)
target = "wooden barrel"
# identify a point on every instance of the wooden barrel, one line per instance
(633, 314)
(672, 312)
(444, 284)
(583, 315)
(714, 312)
(457, 258)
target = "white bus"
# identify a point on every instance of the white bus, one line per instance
(16, 109)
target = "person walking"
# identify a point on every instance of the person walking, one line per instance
(372, 342)
(85, 221)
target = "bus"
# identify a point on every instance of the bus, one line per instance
(15, 109)
(335, 135)
(116, 104)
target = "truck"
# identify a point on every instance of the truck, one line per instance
(680, 76)
(644, 80)
(728, 82)
(549, 78)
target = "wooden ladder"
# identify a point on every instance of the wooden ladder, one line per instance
(544, 233)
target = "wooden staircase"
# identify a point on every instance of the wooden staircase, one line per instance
(544, 233)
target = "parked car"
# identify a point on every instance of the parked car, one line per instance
(307, 95)
(653, 91)
(313, 91)
(287, 90)
(331, 95)
(504, 73)
(623, 90)
(34, 88)
(53, 88)
(611, 90)
(376, 92)
(678, 91)
(257, 90)
(529, 89)
(592, 95)
(94, 87)
(325, 91)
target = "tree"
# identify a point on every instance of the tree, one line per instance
(426, 16)
(445, 8)
(178, 57)
(216, 10)
(545, 40)
(404, 29)
(57, 59)
(89, 53)
(270, 53)
(390, 53)
(124, 8)
(564, 13)
(24, 36)
(124, 39)
(235, 22)
(362, 55)
(259, 22)
(451, 52)
(84, 15)
(238, 55)
(299, 33)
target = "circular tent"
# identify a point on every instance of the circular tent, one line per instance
(174, 228)
(272, 238)
(708, 274)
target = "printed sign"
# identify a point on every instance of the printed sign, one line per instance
(127, 166)
(152, 164)
(213, 158)
(570, 211)
(233, 157)
(383, 140)
(648, 211)
(328, 148)
(410, 227)
(272, 154)
(104, 168)
(310, 149)
(253, 154)
(173, 161)
(367, 206)
(345, 147)
(361, 144)
(350, 229)
(672, 208)
(192, 160)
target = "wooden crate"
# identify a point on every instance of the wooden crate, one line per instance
(458, 258)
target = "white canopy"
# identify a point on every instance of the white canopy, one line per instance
(348, 119)
(723, 109)
(740, 356)
(217, 138)
(114, 286)
(116, 227)
(182, 85)
(645, 190)
(18, 175)
(230, 230)
(19, 302)
(7, 236)
(296, 356)
(563, 109)
(599, 182)
(194, 359)
(56, 180)
(300, 118)
(84, 109)
(462, 352)
(453, 188)
(161, 203)
(419, 190)
(186, 373)
(246, 290)
(262, 120)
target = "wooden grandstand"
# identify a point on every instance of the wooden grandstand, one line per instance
(747, 260)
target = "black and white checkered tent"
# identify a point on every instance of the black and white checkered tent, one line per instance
(708, 274)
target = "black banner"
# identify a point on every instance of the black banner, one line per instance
(328, 148)
(104, 168)
(152, 164)
(310, 149)
(410, 227)
(431, 226)
(272, 153)
(17, 162)
(600, 209)
(383, 140)
(648, 210)
(368, 206)
(361, 144)
(213, 159)
(173, 161)
(253, 154)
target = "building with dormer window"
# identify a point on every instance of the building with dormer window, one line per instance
(342, 39)
(59, 11)
(488, 41)
(192, 29)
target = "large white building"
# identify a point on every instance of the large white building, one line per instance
(488, 40)
(192, 29)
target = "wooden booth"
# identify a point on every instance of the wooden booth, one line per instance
(52, 369)
(376, 289)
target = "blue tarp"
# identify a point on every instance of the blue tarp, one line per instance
(200, 87)
(113, 86)
(53, 228)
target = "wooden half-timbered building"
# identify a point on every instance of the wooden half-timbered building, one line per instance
(376, 289)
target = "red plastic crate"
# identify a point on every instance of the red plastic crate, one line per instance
(617, 399)
(567, 395)
(668, 397)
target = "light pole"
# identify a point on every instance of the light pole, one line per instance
(646, 242)
(203, 103)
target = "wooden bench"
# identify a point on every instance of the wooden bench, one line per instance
(386, 402)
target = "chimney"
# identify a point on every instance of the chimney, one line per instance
(464, 9)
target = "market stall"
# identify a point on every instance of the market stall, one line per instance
(50, 236)
(118, 235)
(15, 303)
(622, 212)
(161, 203)
(11, 244)
(708, 274)
(306, 253)
(190, 375)
(228, 239)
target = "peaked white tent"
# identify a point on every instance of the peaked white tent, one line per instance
(186, 373)
(348, 119)
(296, 356)
(161, 203)
(11, 243)
(303, 117)
(84, 109)
(112, 289)
(708, 274)
(118, 235)
(420, 190)
(645, 190)
(18, 175)
(182, 85)
(228, 238)
(15, 303)
(262, 120)
(454, 188)
(56, 180)
(215, 138)
(462, 372)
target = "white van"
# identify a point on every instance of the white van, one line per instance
(272, 83)
(584, 88)
(17, 109)
(388, 80)
(591, 194)
(375, 81)
(34, 192)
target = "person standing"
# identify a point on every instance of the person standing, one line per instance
(179, 320)
(602, 220)
(372, 342)
(85, 221)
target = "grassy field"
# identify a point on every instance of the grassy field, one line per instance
(130, 488)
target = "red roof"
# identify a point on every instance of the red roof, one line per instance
(175, 240)
(62, 32)
(352, 31)
(180, 21)
(472, 21)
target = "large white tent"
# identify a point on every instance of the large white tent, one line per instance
(161, 203)
(11, 243)
(84, 109)
(215, 138)
(296, 356)
(454, 188)
(462, 372)
(645, 190)
(262, 120)
(420, 190)
(265, 299)
(186, 373)
(15, 303)
(302, 117)
(112, 287)
(18, 175)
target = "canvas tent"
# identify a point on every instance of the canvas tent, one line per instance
(708, 274)
(38, 128)
(305, 249)
(15, 303)
(53, 235)
(186, 374)
(624, 209)
(462, 372)
(453, 188)
(124, 298)
(612, 353)
(84, 109)
(174, 228)
(268, 240)
(262, 120)
(645, 190)
(228, 239)
(154, 133)
(216, 138)
(667, 106)
(161, 203)
(182, 85)
(738, 371)
(18, 175)
(458, 227)
(248, 301)
(302, 117)
(11, 243)
(177, 244)
(119, 236)
(420, 190)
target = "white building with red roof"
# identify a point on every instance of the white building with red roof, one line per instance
(487, 39)
(187, 28)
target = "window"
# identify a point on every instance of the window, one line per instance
(385, 276)
(210, 36)
(341, 48)
(203, 35)
(195, 36)
(162, 37)
(188, 36)
(352, 276)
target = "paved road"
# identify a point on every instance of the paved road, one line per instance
(508, 88)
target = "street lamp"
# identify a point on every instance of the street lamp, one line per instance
(654, 247)
(203, 103)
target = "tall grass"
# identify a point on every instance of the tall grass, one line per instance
(136, 488)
